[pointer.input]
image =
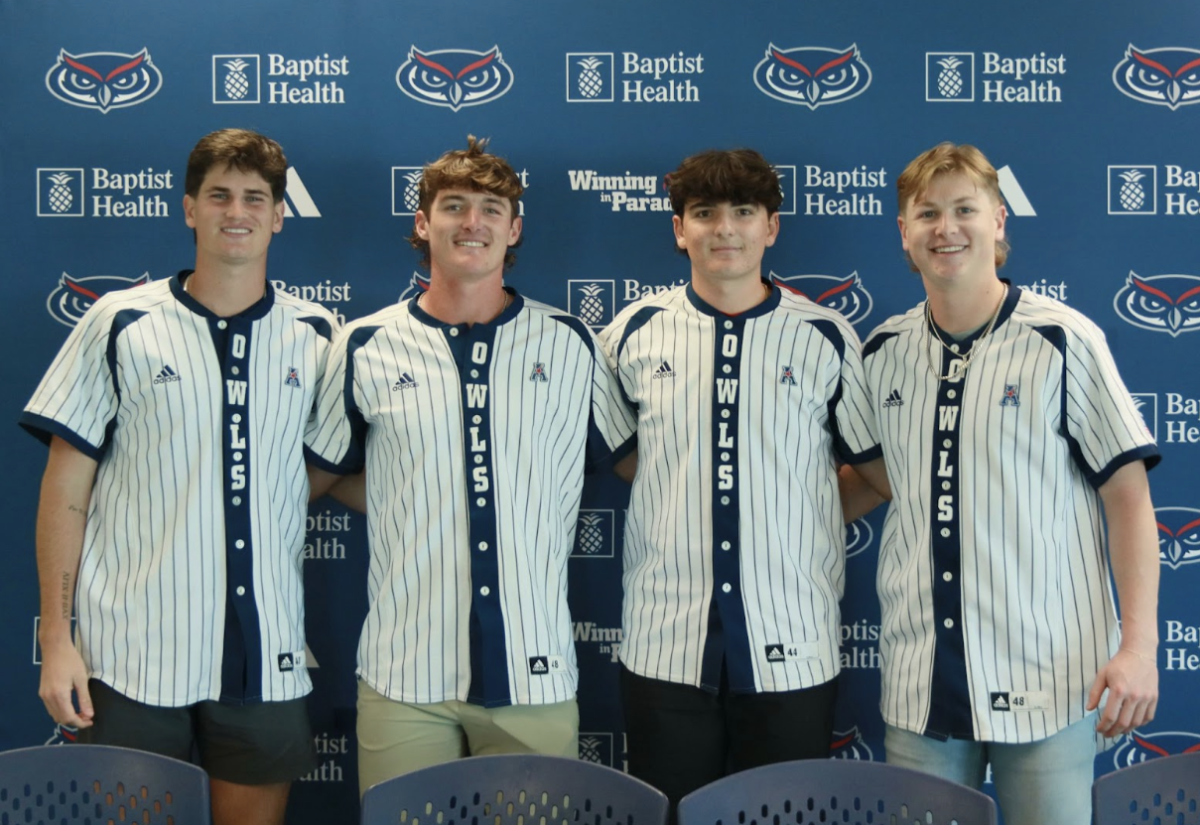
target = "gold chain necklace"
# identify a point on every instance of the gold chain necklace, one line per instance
(959, 368)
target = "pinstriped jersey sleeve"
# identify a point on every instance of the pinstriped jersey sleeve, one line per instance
(618, 405)
(335, 432)
(856, 436)
(77, 398)
(613, 421)
(1101, 421)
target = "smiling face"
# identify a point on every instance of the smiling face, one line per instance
(725, 241)
(950, 233)
(234, 217)
(468, 233)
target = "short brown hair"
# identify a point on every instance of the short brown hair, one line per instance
(945, 159)
(720, 175)
(243, 150)
(472, 169)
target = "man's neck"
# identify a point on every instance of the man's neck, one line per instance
(731, 297)
(961, 311)
(227, 291)
(454, 301)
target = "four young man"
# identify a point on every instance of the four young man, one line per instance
(995, 418)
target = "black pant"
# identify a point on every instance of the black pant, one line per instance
(680, 738)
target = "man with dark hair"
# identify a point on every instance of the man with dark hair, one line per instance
(1010, 444)
(745, 397)
(173, 505)
(476, 407)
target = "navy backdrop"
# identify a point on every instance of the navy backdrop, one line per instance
(593, 102)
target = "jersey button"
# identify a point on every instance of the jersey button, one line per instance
(951, 394)
(729, 325)
(725, 545)
(947, 576)
(947, 444)
(474, 373)
(221, 324)
(237, 456)
(476, 419)
(948, 623)
(235, 370)
(725, 588)
(241, 591)
(483, 545)
(479, 502)
(478, 459)
(726, 368)
(945, 532)
(945, 485)
(724, 499)
(954, 347)
(485, 591)
(453, 332)
(724, 456)
(237, 418)
(239, 544)
(236, 501)
(724, 413)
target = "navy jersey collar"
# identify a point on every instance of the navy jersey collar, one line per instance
(1006, 309)
(510, 312)
(251, 313)
(772, 301)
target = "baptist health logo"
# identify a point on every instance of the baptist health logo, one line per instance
(60, 193)
(597, 747)
(595, 533)
(593, 302)
(590, 77)
(1133, 190)
(237, 78)
(949, 76)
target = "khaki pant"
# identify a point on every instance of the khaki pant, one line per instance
(397, 737)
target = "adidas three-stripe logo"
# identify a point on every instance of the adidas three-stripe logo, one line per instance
(166, 375)
(894, 399)
(664, 371)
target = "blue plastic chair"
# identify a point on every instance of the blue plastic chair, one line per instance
(1165, 790)
(506, 789)
(52, 785)
(835, 791)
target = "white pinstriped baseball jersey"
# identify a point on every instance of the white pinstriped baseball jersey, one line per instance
(190, 585)
(993, 577)
(734, 544)
(475, 449)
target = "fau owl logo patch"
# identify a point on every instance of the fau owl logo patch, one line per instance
(859, 536)
(1160, 303)
(104, 80)
(846, 295)
(454, 77)
(850, 745)
(417, 286)
(1178, 536)
(1162, 77)
(812, 76)
(75, 296)
(1136, 748)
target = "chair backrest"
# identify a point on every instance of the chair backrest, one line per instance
(502, 790)
(50, 784)
(1163, 790)
(835, 791)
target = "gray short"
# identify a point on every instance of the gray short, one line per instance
(256, 744)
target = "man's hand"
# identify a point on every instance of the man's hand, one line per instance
(1131, 679)
(64, 676)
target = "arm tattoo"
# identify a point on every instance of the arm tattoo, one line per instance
(72, 508)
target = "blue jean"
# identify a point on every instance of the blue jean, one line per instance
(1037, 782)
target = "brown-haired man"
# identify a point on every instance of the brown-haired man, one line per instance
(173, 505)
(734, 545)
(476, 407)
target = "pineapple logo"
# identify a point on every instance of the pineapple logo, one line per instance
(592, 749)
(950, 77)
(406, 189)
(60, 193)
(589, 77)
(591, 301)
(594, 534)
(1127, 190)
(235, 78)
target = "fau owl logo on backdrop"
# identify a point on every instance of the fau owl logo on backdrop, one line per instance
(847, 295)
(1136, 747)
(418, 284)
(1162, 77)
(1160, 303)
(850, 745)
(75, 296)
(104, 80)
(812, 76)
(1178, 535)
(454, 77)
(859, 536)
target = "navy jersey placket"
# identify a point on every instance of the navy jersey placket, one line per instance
(472, 348)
